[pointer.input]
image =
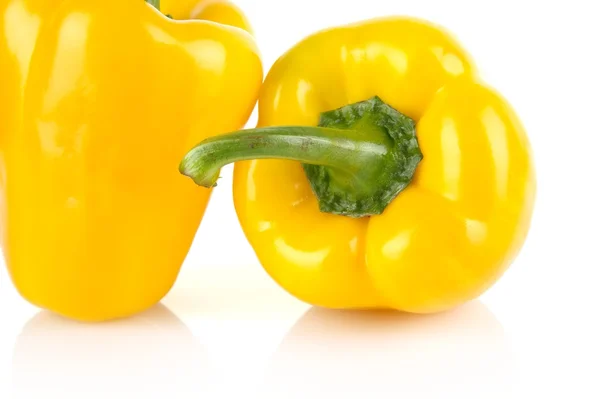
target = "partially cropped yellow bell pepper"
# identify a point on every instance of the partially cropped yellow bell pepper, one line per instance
(418, 184)
(100, 100)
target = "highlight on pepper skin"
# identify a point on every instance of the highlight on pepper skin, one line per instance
(331, 215)
(96, 222)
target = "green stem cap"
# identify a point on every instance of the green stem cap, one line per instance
(357, 160)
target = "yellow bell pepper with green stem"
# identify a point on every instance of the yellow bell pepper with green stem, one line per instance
(100, 101)
(383, 173)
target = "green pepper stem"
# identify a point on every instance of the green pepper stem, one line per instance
(357, 160)
(344, 150)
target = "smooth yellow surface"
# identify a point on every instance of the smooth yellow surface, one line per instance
(441, 242)
(100, 101)
(221, 11)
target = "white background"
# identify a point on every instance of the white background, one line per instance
(226, 330)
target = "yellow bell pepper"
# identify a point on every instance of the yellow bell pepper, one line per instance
(418, 183)
(100, 101)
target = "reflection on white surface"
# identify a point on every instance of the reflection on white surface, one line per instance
(152, 355)
(379, 354)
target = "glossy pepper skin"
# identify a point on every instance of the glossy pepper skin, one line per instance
(101, 100)
(450, 234)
